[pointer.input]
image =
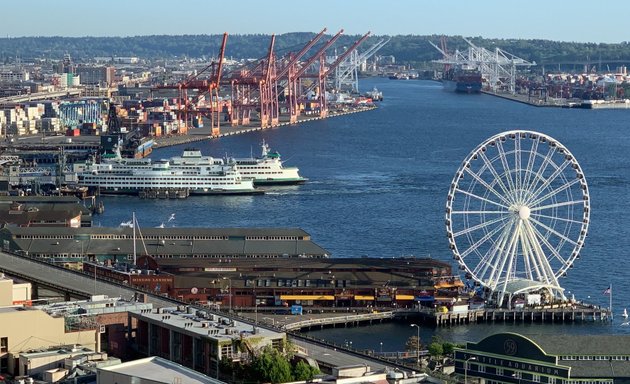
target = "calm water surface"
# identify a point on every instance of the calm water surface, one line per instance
(379, 180)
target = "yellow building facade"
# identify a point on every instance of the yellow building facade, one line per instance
(24, 329)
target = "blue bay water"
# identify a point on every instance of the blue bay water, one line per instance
(379, 181)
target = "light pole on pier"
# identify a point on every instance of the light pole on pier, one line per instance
(466, 368)
(417, 344)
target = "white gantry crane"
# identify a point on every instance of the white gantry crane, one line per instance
(517, 215)
(346, 74)
(498, 67)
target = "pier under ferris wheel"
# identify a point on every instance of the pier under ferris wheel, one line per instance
(517, 214)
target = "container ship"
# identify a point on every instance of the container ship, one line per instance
(462, 80)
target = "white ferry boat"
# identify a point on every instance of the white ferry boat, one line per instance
(193, 173)
(268, 169)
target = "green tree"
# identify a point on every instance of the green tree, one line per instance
(302, 371)
(436, 349)
(271, 366)
(448, 348)
(413, 344)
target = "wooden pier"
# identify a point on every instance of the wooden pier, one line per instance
(542, 315)
(546, 314)
(343, 320)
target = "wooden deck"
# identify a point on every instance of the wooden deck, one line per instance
(546, 314)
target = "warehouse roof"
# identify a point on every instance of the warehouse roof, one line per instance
(164, 242)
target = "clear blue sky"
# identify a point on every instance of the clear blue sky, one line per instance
(579, 20)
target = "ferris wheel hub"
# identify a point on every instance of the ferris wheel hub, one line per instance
(524, 212)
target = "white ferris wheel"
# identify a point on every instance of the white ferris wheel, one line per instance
(517, 214)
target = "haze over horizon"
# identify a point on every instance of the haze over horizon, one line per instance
(491, 19)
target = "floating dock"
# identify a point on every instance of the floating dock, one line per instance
(164, 193)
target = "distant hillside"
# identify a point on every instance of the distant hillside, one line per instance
(409, 49)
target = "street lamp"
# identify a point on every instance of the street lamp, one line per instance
(381, 347)
(417, 344)
(466, 368)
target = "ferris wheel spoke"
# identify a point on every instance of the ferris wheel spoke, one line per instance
(530, 165)
(503, 249)
(517, 165)
(477, 212)
(509, 256)
(490, 258)
(506, 168)
(551, 178)
(488, 186)
(529, 259)
(479, 242)
(556, 205)
(481, 198)
(495, 174)
(554, 192)
(479, 226)
(545, 271)
(548, 228)
(557, 218)
(541, 170)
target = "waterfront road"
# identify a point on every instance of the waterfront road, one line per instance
(81, 285)
(74, 282)
(328, 357)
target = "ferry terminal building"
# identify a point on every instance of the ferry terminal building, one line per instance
(546, 358)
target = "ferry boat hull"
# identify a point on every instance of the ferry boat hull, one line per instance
(268, 169)
(174, 192)
(263, 182)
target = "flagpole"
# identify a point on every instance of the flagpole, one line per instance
(611, 309)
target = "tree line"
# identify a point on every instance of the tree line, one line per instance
(414, 50)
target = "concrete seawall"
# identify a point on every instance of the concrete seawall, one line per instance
(201, 134)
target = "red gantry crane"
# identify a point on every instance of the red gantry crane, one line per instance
(324, 71)
(253, 89)
(257, 87)
(198, 105)
(294, 75)
(290, 67)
